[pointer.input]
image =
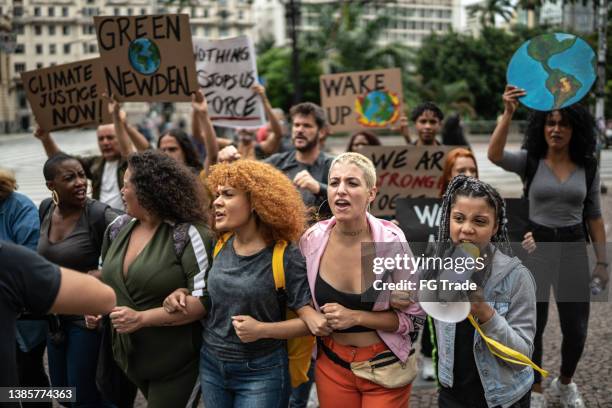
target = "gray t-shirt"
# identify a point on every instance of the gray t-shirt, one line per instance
(552, 203)
(244, 285)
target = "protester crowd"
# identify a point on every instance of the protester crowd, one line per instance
(236, 279)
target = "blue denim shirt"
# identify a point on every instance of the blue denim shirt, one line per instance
(19, 224)
(19, 221)
(510, 290)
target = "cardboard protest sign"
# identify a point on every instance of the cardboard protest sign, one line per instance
(419, 218)
(67, 96)
(147, 58)
(365, 99)
(405, 171)
(226, 72)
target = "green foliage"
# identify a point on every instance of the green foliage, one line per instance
(479, 62)
(274, 67)
(488, 10)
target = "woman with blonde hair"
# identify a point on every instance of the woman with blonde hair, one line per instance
(359, 324)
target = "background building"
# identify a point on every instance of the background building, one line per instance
(578, 17)
(7, 46)
(53, 32)
(412, 19)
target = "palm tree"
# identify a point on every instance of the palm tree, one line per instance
(347, 41)
(488, 10)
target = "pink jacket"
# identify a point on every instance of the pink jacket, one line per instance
(312, 245)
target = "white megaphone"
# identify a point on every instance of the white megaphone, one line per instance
(449, 305)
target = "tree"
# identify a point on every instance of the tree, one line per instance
(274, 67)
(451, 97)
(346, 41)
(488, 10)
(480, 62)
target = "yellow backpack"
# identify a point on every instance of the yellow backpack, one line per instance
(299, 349)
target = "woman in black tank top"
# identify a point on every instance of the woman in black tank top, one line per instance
(358, 318)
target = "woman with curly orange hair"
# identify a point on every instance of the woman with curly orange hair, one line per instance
(458, 161)
(244, 358)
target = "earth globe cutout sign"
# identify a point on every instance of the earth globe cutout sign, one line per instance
(144, 56)
(556, 70)
(377, 108)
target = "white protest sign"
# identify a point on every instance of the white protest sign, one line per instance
(226, 72)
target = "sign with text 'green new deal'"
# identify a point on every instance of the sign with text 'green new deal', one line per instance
(147, 58)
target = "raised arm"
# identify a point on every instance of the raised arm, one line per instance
(80, 293)
(405, 129)
(273, 143)
(500, 134)
(139, 141)
(47, 141)
(203, 129)
(119, 121)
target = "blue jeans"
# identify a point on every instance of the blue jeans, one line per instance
(262, 382)
(301, 393)
(73, 363)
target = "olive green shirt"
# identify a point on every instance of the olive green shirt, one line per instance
(154, 352)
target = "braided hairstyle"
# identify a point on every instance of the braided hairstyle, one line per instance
(470, 187)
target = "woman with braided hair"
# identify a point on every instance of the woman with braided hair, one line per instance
(469, 374)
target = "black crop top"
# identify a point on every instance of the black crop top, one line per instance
(326, 293)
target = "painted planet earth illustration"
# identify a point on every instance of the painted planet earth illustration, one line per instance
(556, 70)
(144, 56)
(377, 108)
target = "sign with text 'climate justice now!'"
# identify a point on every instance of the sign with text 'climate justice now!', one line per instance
(147, 58)
(226, 72)
(405, 171)
(67, 96)
(365, 99)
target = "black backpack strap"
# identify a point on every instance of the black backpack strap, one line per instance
(180, 238)
(531, 167)
(96, 218)
(43, 208)
(116, 226)
(590, 171)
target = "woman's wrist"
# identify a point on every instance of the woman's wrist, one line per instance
(358, 317)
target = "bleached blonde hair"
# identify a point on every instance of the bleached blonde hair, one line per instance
(361, 161)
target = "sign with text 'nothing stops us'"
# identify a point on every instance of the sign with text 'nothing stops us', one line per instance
(405, 171)
(226, 72)
(147, 58)
(67, 96)
(362, 100)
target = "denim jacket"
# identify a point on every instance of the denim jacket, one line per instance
(392, 240)
(510, 290)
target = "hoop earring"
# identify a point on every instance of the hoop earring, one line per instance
(55, 197)
(317, 213)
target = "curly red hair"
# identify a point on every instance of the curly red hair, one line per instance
(276, 201)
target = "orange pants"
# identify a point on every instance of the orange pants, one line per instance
(337, 386)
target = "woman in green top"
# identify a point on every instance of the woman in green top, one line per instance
(146, 258)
